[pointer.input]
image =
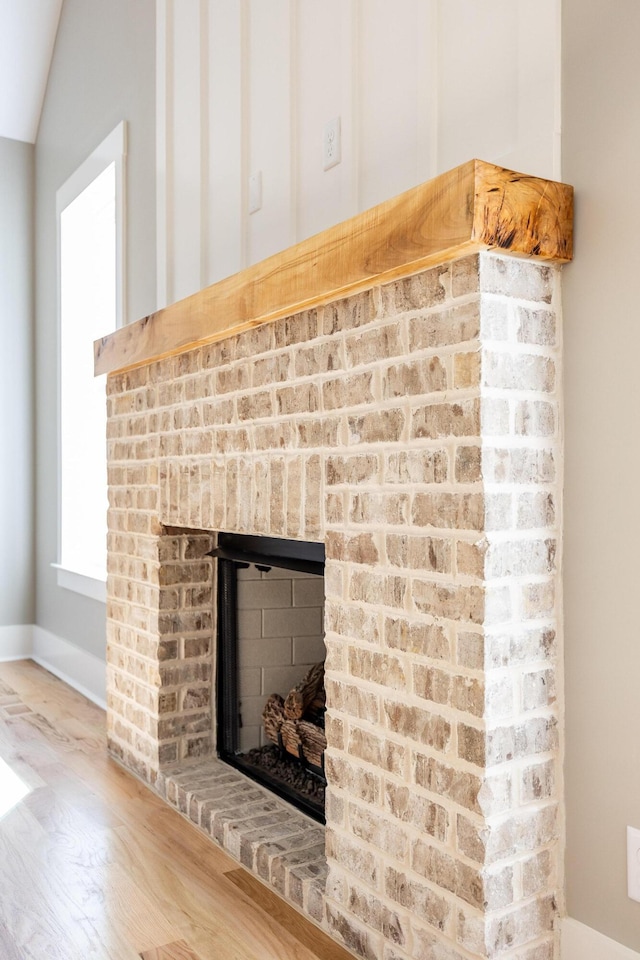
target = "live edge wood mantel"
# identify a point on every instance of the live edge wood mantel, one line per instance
(476, 206)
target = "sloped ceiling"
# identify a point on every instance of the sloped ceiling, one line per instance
(27, 36)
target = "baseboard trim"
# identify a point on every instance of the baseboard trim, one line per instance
(83, 671)
(580, 942)
(16, 642)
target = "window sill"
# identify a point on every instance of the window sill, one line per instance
(81, 583)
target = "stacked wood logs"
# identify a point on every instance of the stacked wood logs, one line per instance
(297, 721)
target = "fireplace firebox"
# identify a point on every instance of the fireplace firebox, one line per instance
(270, 664)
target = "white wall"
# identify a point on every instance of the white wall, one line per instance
(601, 148)
(420, 86)
(103, 71)
(16, 383)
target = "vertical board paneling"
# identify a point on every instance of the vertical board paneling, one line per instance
(420, 86)
(350, 141)
(226, 163)
(427, 116)
(164, 152)
(538, 64)
(394, 54)
(497, 78)
(294, 54)
(478, 74)
(205, 179)
(324, 57)
(269, 229)
(186, 187)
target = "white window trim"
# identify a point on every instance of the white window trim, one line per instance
(113, 149)
(81, 583)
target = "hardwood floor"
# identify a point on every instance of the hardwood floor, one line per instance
(93, 865)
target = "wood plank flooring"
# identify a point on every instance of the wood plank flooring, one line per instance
(92, 864)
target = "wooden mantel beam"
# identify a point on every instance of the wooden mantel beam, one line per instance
(477, 206)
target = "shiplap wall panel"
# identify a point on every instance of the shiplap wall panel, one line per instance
(227, 166)
(538, 89)
(394, 103)
(187, 166)
(164, 152)
(270, 133)
(478, 41)
(420, 85)
(497, 66)
(324, 90)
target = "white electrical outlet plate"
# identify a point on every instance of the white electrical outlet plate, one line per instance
(633, 863)
(255, 191)
(331, 144)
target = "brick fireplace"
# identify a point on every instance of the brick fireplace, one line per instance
(412, 426)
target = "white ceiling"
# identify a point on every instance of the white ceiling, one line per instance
(27, 35)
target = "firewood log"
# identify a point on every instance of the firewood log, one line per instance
(319, 702)
(305, 692)
(290, 737)
(314, 742)
(301, 738)
(273, 716)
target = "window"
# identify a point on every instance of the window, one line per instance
(90, 212)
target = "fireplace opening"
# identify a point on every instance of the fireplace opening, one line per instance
(270, 664)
